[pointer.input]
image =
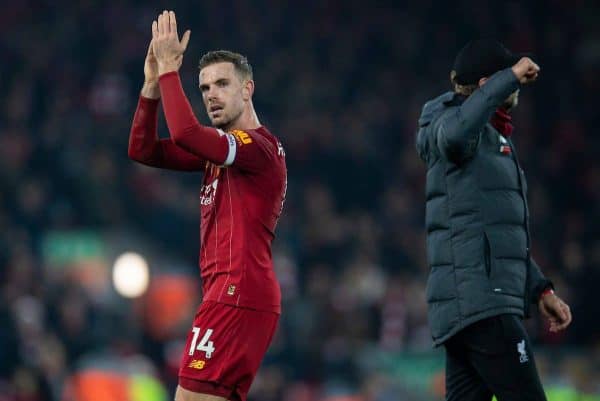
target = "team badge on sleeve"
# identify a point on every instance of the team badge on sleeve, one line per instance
(232, 145)
(242, 137)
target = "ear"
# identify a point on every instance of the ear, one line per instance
(248, 90)
(452, 76)
(482, 81)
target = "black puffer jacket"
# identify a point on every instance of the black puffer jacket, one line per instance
(476, 214)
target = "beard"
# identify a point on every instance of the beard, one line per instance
(226, 121)
(511, 101)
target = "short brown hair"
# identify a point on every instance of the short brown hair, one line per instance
(240, 62)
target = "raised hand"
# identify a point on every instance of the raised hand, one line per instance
(166, 46)
(150, 89)
(526, 70)
(150, 66)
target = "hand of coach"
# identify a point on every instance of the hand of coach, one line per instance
(526, 70)
(166, 46)
(555, 310)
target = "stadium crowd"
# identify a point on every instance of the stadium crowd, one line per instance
(341, 84)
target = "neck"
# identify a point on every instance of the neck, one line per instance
(247, 120)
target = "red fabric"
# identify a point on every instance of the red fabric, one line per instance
(502, 121)
(547, 291)
(186, 131)
(145, 146)
(240, 206)
(238, 341)
(207, 387)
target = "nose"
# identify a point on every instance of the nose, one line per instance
(211, 94)
(210, 97)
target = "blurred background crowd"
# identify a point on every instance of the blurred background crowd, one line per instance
(342, 84)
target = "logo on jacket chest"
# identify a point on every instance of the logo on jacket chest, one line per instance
(504, 146)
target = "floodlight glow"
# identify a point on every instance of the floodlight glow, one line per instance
(131, 275)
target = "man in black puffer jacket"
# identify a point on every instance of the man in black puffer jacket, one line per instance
(482, 278)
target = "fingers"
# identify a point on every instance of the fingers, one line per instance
(166, 22)
(150, 50)
(531, 77)
(532, 70)
(554, 317)
(561, 311)
(566, 317)
(558, 314)
(185, 40)
(166, 38)
(163, 23)
(529, 63)
(526, 70)
(173, 23)
(154, 29)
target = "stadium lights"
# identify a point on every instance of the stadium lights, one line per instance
(131, 275)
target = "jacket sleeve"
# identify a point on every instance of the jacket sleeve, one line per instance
(537, 282)
(457, 131)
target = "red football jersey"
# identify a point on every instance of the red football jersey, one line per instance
(241, 198)
(240, 205)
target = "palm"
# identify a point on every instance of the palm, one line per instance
(167, 48)
(150, 67)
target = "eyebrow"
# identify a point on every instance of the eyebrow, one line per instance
(218, 81)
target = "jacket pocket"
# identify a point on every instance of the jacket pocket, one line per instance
(487, 254)
(509, 277)
(440, 284)
(505, 266)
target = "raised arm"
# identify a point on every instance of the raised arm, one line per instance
(145, 146)
(186, 132)
(457, 131)
(246, 150)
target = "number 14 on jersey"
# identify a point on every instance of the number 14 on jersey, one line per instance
(205, 344)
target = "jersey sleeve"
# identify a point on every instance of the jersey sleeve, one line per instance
(145, 146)
(250, 151)
(246, 150)
(186, 131)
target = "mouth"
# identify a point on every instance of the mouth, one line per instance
(215, 109)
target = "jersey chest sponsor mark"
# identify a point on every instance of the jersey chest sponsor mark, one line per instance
(207, 192)
(209, 189)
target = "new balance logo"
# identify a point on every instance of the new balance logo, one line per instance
(197, 364)
(522, 353)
